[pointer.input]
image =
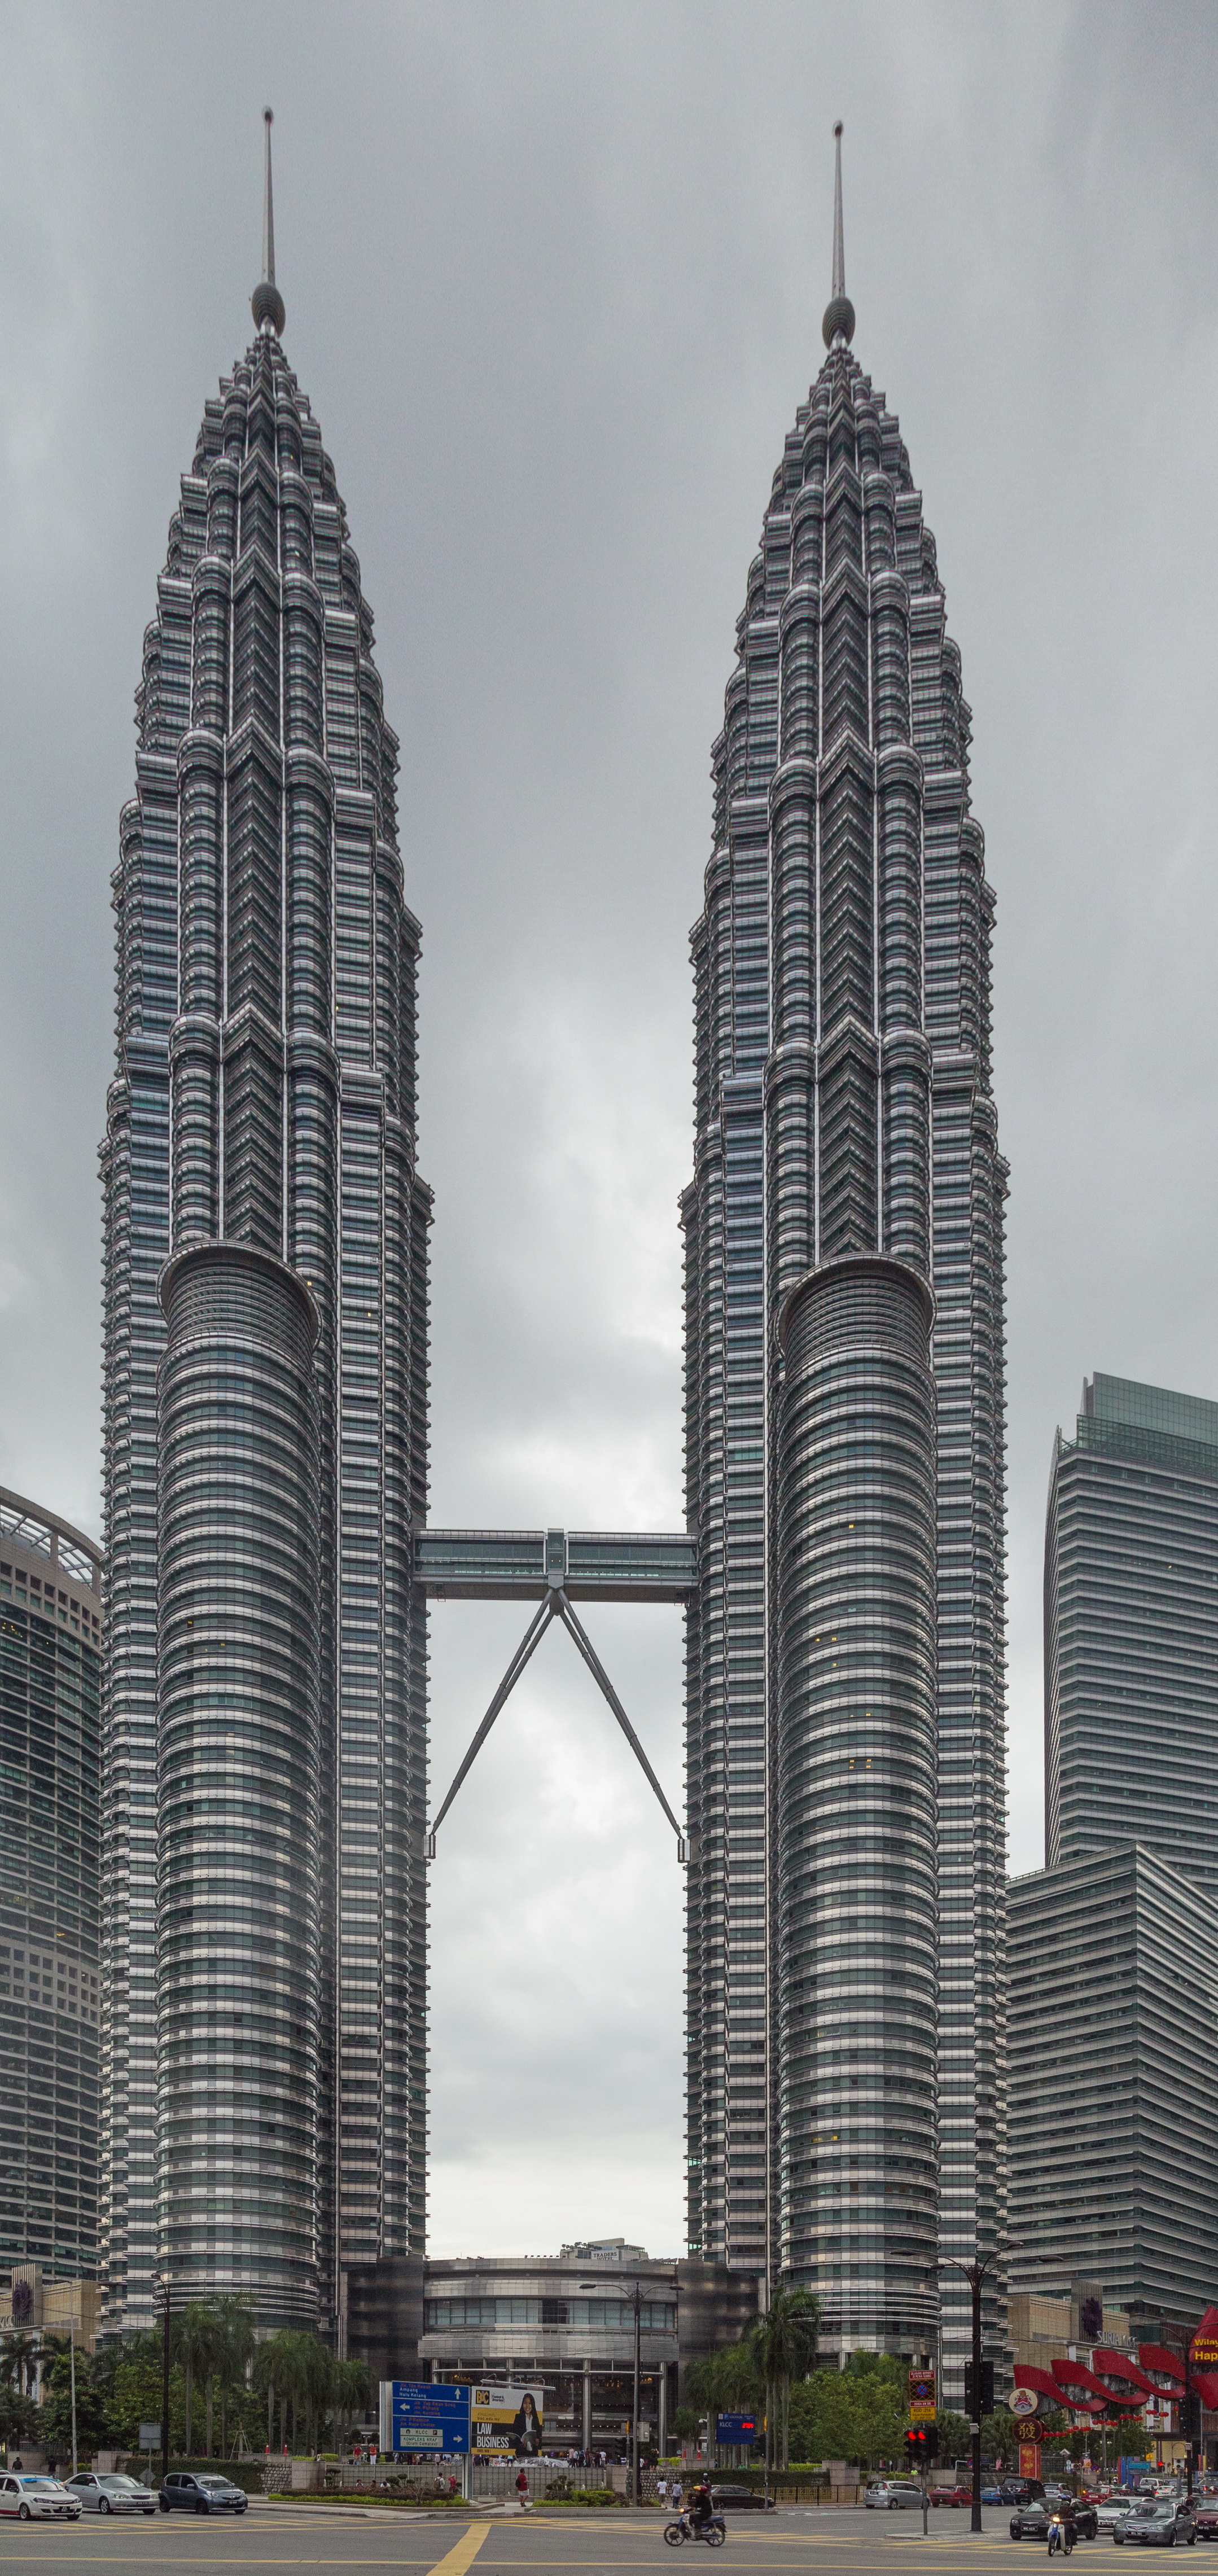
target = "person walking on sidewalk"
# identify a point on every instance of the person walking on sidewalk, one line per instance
(522, 2487)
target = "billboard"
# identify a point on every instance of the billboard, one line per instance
(737, 2428)
(506, 2422)
(424, 2415)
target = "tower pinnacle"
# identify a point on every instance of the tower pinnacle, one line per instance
(266, 302)
(839, 311)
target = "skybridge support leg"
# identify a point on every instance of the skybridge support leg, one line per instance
(557, 1606)
(531, 1639)
(577, 1630)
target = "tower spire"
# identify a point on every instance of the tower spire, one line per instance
(839, 311)
(266, 302)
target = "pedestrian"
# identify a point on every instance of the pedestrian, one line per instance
(677, 2493)
(522, 2487)
(662, 2491)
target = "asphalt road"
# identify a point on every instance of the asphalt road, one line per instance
(795, 2541)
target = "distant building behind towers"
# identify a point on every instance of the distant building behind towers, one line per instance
(50, 1689)
(1112, 1948)
(1131, 1628)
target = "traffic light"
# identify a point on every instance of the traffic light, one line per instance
(921, 2446)
(985, 2403)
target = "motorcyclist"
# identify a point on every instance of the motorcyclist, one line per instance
(701, 2504)
(1063, 2530)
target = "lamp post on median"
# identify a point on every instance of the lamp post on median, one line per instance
(160, 2288)
(976, 2273)
(637, 2297)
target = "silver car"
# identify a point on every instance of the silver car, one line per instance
(111, 2491)
(889, 2495)
(37, 2499)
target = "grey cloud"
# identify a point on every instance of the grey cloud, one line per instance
(554, 277)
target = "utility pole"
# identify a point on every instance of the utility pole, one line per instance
(72, 2366)
(634, 2420)
(976, 2273)
(161, 2286)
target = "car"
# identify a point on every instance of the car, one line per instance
(891, 2495)
(1158, 2524)
(1113, 2509)
(1205, 2517)
(991, 2495)
(111, 2491)
(951, 2495)
(196, 2491)
(1020, 2490)
(1031, 2521)
(741, 2500)
(37, 2499)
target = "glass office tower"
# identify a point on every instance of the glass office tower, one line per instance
(265, 1376)
(1114, 2010)
(50, 1687)
(844, 1355)
(1131, 1628)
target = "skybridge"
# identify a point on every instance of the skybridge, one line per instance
(555, 1568)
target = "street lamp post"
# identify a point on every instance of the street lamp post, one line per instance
(161, 2290)
(637, 2297)
(975, 2274)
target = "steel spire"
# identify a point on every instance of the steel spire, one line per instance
(839, 312)
(266, 302)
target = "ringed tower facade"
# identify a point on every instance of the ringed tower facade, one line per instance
(264, 1915)
(844, 1426)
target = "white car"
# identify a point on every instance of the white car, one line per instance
(890, 2495)
(37, 2499)
(1107, 2515)
(111, 2491)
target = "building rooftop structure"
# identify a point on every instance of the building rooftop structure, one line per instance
(1131, 1628)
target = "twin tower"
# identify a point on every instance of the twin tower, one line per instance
(264, 2081)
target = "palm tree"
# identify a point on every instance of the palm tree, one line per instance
(19, 2361)
(351, 2391)
(784, 2344)
(194, 2340)
(234, 2319)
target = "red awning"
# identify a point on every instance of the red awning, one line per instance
(1074, 2374)
(1206, 2384)
(1038, 2381)
(1073, 2383)
(1155, 2356)
(1117, 2365)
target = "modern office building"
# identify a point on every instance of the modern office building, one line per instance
(50, 1696)
(1131, 1628)
(563, 2322)
(265, 1401)
(1113, 1965)
(844, 1341)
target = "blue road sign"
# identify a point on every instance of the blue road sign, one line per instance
(425, 2415)
(736, 2428)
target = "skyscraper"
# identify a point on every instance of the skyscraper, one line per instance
(265, 1410)
(1131, 1628)
(844, 1356)
(1113, 1954)
(1114, 2010)
(50, 1680)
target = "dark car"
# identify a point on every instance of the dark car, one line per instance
(1020, 2490)
(1031, 2521)
(1158, 2525)
(1205, 2517)
(741, 2499)
(194, 2491)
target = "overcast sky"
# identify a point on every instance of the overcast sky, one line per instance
(554, 277)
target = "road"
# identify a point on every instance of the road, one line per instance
(794, 2541)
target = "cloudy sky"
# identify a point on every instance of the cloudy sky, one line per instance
(554, 277)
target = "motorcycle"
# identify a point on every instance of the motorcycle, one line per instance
(712, 2530)
(1061, 2536)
